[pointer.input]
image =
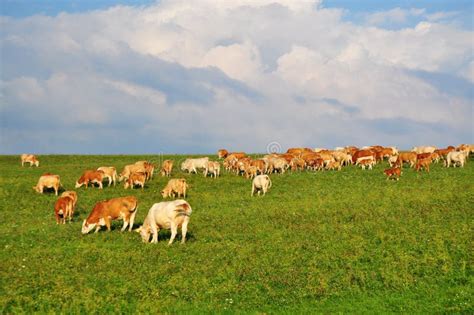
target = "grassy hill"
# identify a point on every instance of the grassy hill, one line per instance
(346, 241)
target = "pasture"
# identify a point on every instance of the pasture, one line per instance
(347, 241)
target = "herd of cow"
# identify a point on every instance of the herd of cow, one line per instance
(175, 214)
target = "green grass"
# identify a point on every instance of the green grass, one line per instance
(325, 242)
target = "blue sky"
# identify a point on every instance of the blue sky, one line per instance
(193, 76)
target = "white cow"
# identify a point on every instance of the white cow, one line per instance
(166, 215)
(456, 157)
(423, 149)
(191, 165)
(261, 183)
(212, 168)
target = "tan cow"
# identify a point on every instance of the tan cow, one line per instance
(124, 208)
(334, 165)
(135, 179)
(423, 149)
(166, 168)
(192, 165)
(63, 209)
(406, 157)
(297, 164)
(48, 181)
(394, 173)
(456, 157)
(423, 163)
(90, 176)
(212, 168)
(110, 173)
(166, 215)
(250, 172)
(132, 168)
(175, 187)
(29, 158)
(363, 163)
(73, 195)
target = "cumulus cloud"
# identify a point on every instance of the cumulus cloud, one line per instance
(181, 76)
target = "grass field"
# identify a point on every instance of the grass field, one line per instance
(326, 242)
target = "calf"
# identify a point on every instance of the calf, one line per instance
(63, 209)
(166, 168)
(124, 208)
(363, 163)
(90, 176)
(166, 215)
(29, 158)
(175, 187)
(48, 181)
(110, 173)
(334, 165)
(423, 163)
(261, 183)
(135, 179)
(394, 173)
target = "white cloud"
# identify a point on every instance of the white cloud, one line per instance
(292, 70)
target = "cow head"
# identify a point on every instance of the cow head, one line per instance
(144, 233)
(163, 194)
(36, 188)
(87, 227)
(78, 185)
(37, 163)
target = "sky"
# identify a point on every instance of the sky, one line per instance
(151, 77)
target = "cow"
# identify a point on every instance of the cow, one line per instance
(175, 187)
(137, 179)
(166, 215)
(261, 183)
(192, 165)
(469, 148)
(250, 172)
(90, 176)
(63, 209)
(277, 164)
(369, 157)
(166, 168)
(423, 163)
(212, 168)
(73, 195)
(48, 180)
(110, 173)
(132, 168)
(422, 156)
(363, 163)
(238, 155)
(423, 149)
(404, 157)
(392, 160)
(222, 153)
(394, 173)
(443, 153)
(149, 170)
(124, 208)
(456, 157)
(316, 164)
(259, 164)
(362, 153)
(297, 164)
(334, 165)
(29, 158)
(342, 157)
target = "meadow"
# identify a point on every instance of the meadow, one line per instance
(318, 242)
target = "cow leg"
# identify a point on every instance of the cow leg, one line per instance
(97, 228)
(100, 185)
(107, 223)
(184, 230)
(154, 229)
(56, 190)
(253, 190)
(174, 231)
(132, 220)
(125, 224)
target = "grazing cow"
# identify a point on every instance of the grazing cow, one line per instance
(250, 172)
(137, 179)
(342, 157)
(423, 149)
(166, 215)
(297, 164)
(362, 153)
(175, 187)
(259, 164)
(261, 183)
(394, 173)
(48, 181)
(166, 168)
(124, 208)
(149, 170)
(222, 153)
(369, 157)
(316, 164)
(132, 168)
(406, 157)
(277, 164)
(63, 209)
(29, 158)
(423, 163)
(212, 168)
(73, 195)
(456, 157)
(90, 176)
(192, 165)
(392, 160)
(110, 173)
(363, 163)
(334, 165)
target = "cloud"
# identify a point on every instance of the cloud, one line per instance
(189, 77)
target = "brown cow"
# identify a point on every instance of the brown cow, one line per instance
(406, 157)
(63, 208)
(73, 195)
(222, 153)
(90, 176)
(362, 153)
(138, 179)
(48, 180)
(423, 163)
(394, 173)
(166, 168)
(175, 187)
(124, 208)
